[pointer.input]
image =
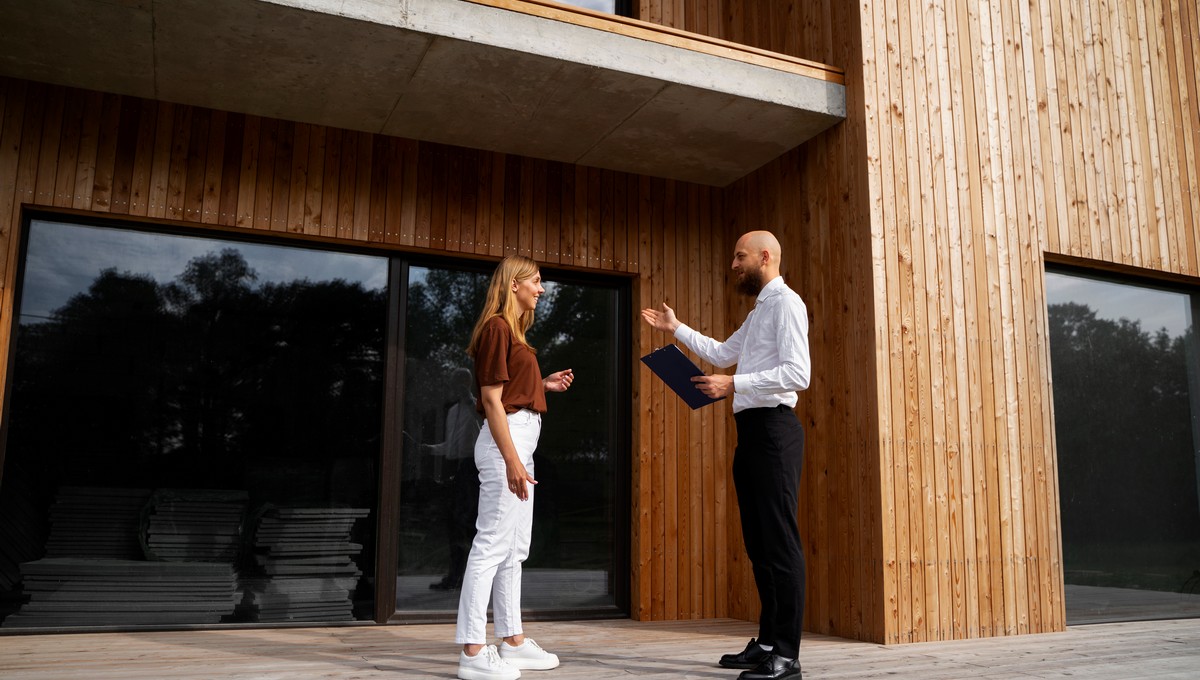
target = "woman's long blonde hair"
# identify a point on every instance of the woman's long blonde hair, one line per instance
(501, 301)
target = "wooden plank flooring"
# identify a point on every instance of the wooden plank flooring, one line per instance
(594, 650)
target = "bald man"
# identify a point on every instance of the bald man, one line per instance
(771, 352)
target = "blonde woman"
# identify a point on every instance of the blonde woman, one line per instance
(512, 399)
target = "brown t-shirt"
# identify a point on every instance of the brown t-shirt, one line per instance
(499, 358)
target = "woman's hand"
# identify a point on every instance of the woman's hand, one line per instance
(518, 476)
(514, 469)
(560, 381)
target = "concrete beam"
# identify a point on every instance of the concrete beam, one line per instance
(441, 70)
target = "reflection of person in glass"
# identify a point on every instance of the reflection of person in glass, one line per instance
(512, 399)
(462, 429)
(771, 352)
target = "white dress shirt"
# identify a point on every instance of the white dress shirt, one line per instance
(770, 349)
(462, 429)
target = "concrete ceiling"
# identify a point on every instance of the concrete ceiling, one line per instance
(440, 70)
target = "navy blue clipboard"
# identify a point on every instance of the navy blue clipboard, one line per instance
(676, 370)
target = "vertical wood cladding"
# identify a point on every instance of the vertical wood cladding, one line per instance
(122, 156)
(981, 139)
(1006, 134)
(816, 200)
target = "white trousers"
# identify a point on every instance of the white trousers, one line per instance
(502, 535)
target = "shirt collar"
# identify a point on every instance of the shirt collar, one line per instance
(773, 288)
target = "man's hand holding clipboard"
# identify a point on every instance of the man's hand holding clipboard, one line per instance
(677, 371)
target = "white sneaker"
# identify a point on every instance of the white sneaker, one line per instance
(486, 665)
(529, 655)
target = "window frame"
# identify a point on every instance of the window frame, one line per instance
(622, 467)
(1149, 281)
(390, 455)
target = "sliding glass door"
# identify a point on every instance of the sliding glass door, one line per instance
(575, 562)
(194, 433)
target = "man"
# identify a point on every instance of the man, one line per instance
(771, 352)
(462, 429)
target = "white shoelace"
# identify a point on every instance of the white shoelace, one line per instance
(493, 657)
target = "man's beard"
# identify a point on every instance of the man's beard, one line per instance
(751, 282)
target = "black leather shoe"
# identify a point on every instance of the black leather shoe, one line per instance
(774, 668)
(749, 657)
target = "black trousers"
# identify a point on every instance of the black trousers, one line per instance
(766, 474)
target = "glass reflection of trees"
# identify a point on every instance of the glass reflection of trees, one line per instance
(575, 327)
(575, 462)
(208, 381)
(441, 310)
(1127, 467)
(184, 382)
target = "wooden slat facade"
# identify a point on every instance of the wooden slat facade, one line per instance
(981, 141)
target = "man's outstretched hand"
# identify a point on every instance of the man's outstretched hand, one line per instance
(663, 320)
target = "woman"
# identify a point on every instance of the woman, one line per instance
(512, 399)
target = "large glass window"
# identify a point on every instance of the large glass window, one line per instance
(576, 562)
(193, 429)
(1126, 377)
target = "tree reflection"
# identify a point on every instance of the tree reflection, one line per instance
(576, 331)
(573, 525)
(575, 327)
(188, 383)
(442, 309)
(1127, 471)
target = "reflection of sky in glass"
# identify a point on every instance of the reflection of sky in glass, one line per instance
(419, 274)
(1155, 308)
(607, 6)
(64, 259)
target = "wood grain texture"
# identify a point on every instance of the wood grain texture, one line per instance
(981, 141)
(661, 650)
(114, 156)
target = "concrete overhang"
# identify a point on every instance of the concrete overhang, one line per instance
(530, 78)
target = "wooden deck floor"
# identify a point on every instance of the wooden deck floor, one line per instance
(593, 650)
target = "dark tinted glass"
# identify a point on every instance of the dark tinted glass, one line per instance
(575, 557)
(1125, 370)
(193, 431)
